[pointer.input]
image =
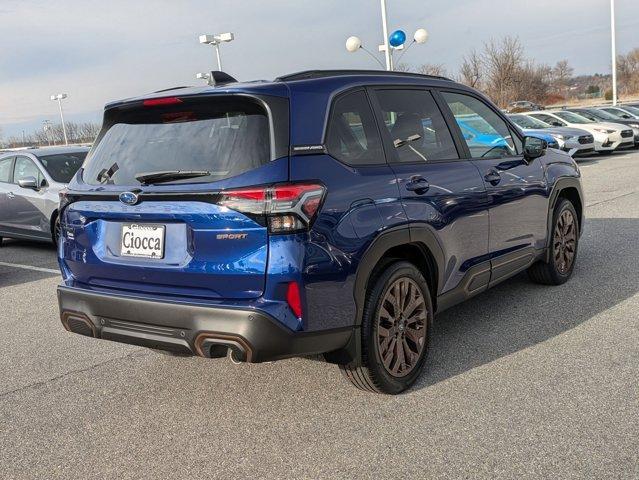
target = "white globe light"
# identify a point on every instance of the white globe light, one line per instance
(421, 35)
(353, 44)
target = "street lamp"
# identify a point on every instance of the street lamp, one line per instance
(59, 97)
(394, 42)
(614, 52)
(215, 40)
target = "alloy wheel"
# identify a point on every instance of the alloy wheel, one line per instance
(565, 242)
(401, 327)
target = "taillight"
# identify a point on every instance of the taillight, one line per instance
(156, 102)
(293, 299)
(287, 207)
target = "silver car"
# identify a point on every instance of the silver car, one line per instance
(30, 181)
(572, 140)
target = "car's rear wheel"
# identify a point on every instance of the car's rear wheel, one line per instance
(563, 247)
(396, 330)
(57, 230)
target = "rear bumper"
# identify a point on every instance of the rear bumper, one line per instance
(252, 335)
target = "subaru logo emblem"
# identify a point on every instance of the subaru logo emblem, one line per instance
(129, 198)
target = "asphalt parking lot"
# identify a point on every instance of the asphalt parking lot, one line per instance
(524, 381)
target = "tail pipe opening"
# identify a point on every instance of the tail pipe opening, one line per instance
(217, 345)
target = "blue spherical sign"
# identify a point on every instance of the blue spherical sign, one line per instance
(397, 38)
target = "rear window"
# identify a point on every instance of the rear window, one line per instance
(62, 167)
(222, 136)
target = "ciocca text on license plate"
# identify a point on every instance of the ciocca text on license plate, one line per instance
(142, 240)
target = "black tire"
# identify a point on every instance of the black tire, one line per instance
(555, 272)
(55, 231)
(1, 241)
(369, 372)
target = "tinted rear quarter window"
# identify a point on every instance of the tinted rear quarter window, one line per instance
(352, 134)
(223, 136)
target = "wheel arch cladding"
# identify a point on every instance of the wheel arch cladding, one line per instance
(387, 248)
(572, 194)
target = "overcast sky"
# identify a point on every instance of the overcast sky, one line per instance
(103, 50)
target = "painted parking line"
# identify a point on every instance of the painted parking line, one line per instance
(30, 267)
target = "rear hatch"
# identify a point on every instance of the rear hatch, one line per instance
(145, 212)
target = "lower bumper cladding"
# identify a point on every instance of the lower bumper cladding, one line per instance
(190, 329)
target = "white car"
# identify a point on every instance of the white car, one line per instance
(575, 141)
(608, 136)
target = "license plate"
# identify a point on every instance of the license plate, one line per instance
(142, 240)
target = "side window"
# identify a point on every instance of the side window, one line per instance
(486, 134)
(352, 136)
(549, 119)
(416, 126)
(26, 168)
(5, 169)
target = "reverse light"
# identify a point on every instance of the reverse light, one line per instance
(293, 299)
(288, 207)
(156, 102)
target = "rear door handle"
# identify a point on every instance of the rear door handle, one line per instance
(493, 177)
(11, 195)
(418, 184)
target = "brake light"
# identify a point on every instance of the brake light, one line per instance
(155, 102)
(293, 299)
(288, 207)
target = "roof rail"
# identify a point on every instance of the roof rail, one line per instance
(309, 74)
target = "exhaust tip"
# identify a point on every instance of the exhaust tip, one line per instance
(215, 345)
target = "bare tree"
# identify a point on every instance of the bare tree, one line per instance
(87, 131)
(628, 70)
(503, 62)
(437, 69)
(471, 71)
(562, 73)
(402, 67)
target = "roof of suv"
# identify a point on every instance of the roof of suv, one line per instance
(325, 80)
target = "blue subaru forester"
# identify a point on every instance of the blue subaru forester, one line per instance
(324, 212)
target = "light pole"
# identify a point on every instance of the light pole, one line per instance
(215, 40)
(391, 43)
(614, 52)
(59, 98)
(387, 52)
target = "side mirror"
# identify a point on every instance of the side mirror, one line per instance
(29, 182)
(534, 147)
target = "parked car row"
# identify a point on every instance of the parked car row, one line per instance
(582, 130)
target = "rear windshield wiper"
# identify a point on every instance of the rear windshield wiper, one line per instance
(169, 175)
